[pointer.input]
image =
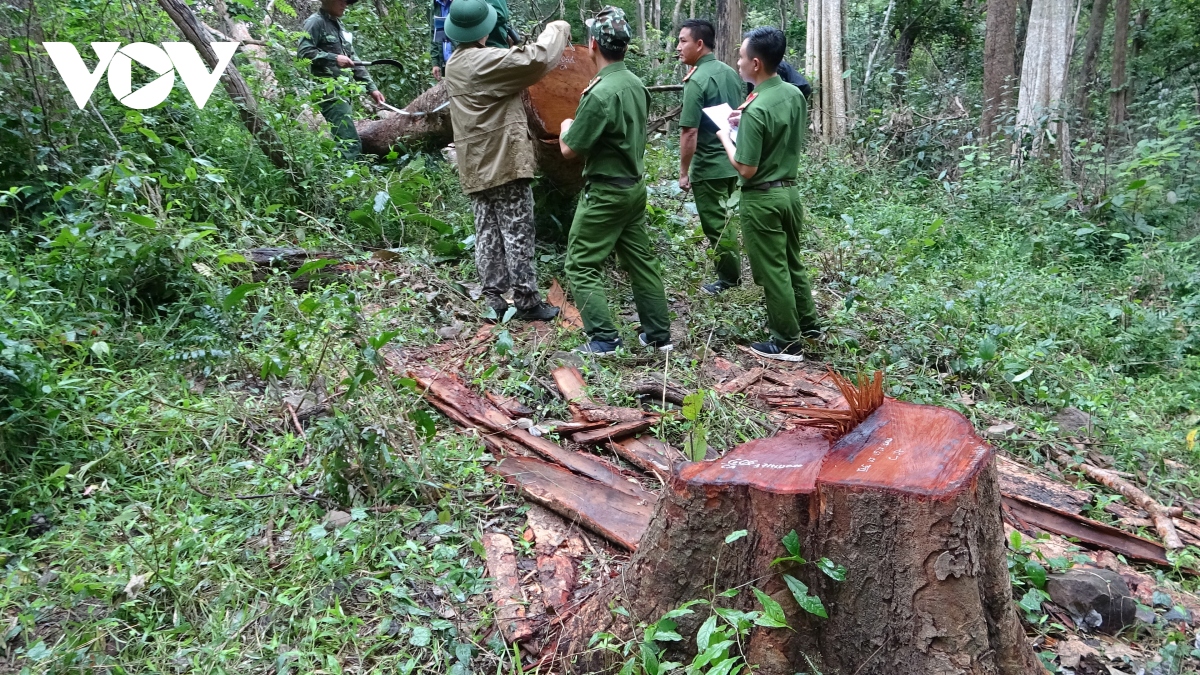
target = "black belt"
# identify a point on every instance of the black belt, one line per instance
(772, 184)
(619, 182)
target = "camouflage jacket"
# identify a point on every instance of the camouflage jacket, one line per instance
(491, 131)
(325, 37)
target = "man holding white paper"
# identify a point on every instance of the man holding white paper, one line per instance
(709, 88)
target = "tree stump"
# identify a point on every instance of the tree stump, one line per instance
(907, 501)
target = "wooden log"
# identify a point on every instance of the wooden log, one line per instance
(506, 588)
(648, 454)
(1158, 513)
(908, 502)
(1019, 482)
(614, 432)
(610, 513)
(1027, 516)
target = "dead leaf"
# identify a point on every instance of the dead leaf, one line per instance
(136, 583)
(1071, 652)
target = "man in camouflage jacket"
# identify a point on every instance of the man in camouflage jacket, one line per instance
(495, 148)
(330, 47)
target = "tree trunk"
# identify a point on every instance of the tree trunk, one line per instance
(547, 104)
(381, 9)
(999, 62)
(905, 44)
(730, 15)
(908, 502)
(1116, 99)
(676, 17)
(1091, 52)
(883, 31)
(641, 19)
(268, 141)
(1026, 7)
(1044, 72)
(825, 64)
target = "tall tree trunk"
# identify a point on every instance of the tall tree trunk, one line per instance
(1137, 43)
(676, 17)
(1026, 7)
(268, 141)
(887, 15)
(1044, 72)
(730, 15)
(1091, 52)
(999, 62)
(641, 19)
(381, 9)
(905, 44)
(801, 9)
(1116, 99)
(824, 62)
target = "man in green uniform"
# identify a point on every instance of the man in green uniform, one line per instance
(703, 167)
(609, 131)
(770, 132)
(330, 47)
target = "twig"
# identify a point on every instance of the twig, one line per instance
(1158, 513)
(296, 420)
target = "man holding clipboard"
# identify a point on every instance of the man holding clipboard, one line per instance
(702, 164)
(770, 133)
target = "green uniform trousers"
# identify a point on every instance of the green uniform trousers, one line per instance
(771, 221)
(610, 218)
(722, 236)
(341, 123)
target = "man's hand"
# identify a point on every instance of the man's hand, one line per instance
(344, 61)
(685, 183)
(437, 73)
(566, 124)
(378, 96)
(735, 118)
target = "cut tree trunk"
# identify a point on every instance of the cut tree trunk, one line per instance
(999, 62)
(908, 502)
(824, 63)
(730, 15)
(268, 141)
(1091, 54)
(547, 104)
(1044, 72)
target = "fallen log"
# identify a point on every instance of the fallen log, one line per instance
(610, 513)
(907, 501)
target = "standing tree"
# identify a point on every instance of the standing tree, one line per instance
(730, 15)
(999, 61)
(1091, 52)
(1044, 71)
(824, 62)
(1116, 105)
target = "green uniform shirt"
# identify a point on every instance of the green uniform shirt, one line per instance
(710, 82)
(610, 125)
(771, 132)
(325, 38)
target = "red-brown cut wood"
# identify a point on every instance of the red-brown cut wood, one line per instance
(612, 514)
(614, 432)
(649, 454)
(908, 502)
(506, 588)
(1031, 516)
(556, 96)
(569, 315)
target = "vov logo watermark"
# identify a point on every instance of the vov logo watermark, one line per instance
(117, 61)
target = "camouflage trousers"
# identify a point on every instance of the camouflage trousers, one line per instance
(504, 239)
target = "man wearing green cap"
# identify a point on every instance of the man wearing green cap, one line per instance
(330, 47)
(609, 131)
(703, 166)
(495, 148)
(771, 124)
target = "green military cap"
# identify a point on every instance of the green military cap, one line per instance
(609, 28)
(470, 20)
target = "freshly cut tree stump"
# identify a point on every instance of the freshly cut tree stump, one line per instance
(907, 501)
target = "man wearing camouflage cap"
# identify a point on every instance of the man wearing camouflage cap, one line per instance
(609, 131)
(495, 148)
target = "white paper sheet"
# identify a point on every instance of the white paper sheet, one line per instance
(719, 114)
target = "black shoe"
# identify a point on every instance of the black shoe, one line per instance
(543, 311)
(660, 345)
(499, 307)
(770, 350)
(599, 347)
(717, 287)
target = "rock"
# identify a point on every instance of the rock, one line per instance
(1002, 430)
(1071, 421)
(336, 520)
(1084, 590)
(1071, 652)
(1177, 614)
(523, 422)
